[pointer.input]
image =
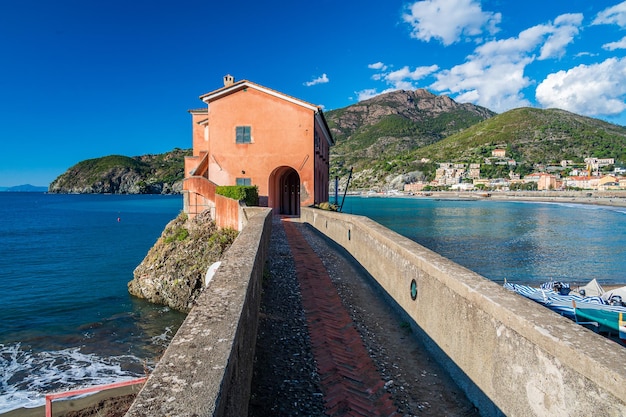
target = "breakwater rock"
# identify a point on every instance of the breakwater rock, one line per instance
(173, 271)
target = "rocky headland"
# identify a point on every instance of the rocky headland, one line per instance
(117, 174)
(173, 271)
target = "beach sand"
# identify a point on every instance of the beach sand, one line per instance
(603, 198)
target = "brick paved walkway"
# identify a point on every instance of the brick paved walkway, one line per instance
(352, 385)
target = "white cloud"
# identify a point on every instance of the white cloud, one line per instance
(449, 20)
(585, 53)
(366, 94)
(371, 92)
(553, 39)
(611, 46)
(612, 15)
(562, 34)
(497, 86)
(592, 90)
(378, 66)
(402, 79)
(323, 79)
(493, 76)
(512, 48)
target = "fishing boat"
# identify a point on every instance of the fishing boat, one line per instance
(609, 319)
(589, 305)
(556, 296)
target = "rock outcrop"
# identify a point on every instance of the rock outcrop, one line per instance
(173, 271)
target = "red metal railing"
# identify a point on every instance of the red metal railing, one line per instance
(51, 397)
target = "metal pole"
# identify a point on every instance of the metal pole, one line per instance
(346, 190)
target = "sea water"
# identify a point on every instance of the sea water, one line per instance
(66, 318)
(521, 242)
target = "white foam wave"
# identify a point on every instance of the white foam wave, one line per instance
(28, 376)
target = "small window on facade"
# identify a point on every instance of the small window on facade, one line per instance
(243, 134)
(244, 181)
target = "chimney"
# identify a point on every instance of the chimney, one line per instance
(228, 80)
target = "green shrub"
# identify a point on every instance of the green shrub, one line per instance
(178, 235)
(248, 193)
(328, 206)
(222, 238)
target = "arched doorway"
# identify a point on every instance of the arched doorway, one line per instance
(290, 192)
(284, 191)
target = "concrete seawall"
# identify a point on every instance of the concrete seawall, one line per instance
(512, 356)
(207, 368)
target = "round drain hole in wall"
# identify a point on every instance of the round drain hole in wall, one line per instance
(413, 290)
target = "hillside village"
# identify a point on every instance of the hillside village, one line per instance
(413, 140)
(593, 174)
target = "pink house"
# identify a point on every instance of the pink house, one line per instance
(548, 182)
(499, 153)
(248, 134)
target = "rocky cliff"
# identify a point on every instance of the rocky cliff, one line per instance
(173, 271)
(116, 174)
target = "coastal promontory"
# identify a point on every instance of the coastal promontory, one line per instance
(116, 174)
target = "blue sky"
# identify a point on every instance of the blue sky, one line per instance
(85, 79)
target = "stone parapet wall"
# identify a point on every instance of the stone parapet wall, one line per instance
(207, 368)
(198, 196)
(228, 213)
(512, 356)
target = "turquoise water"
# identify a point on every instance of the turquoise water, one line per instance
(518, 241)
(66, 317)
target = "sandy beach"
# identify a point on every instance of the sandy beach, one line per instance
(615, 198)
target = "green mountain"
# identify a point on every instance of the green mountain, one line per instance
(533, 136)
(116, 174)
(374, 135)
(400, 137)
